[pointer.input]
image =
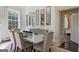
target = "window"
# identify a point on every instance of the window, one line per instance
(27, 17)
(30, 19)
(48, 16)
(42, 14)
(13, 19)
(33, 19)
(37, 17)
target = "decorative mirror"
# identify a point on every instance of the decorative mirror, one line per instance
(42, 15)
(33, 17)
(30, 19)
(48, 16)
(37, 17)
(27, 19)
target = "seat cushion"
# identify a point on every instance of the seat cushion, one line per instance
(26, 44)
(38, 46)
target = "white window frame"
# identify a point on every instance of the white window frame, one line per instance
(12, 10)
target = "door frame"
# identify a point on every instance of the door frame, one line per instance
(74, 10)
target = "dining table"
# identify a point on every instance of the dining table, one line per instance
(34, 38)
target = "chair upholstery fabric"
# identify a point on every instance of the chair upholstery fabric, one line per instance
(45, 45)
(20, 41)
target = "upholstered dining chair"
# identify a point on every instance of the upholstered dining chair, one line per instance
(13, 41)
(45, 45)
(21, 44)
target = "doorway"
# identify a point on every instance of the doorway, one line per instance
(69, 29)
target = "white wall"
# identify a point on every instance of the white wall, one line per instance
(34, 8)
(74, 27)
(3, 22)
(0, 33)
(1, 18)
(55, 19)
(4, 19)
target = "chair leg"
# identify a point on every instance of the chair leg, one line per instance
(28, 49)
(49, 49)
(22, 50)
(34, 50)
(31, 48)
(17, 49)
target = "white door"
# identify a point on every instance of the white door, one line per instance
(74, 27)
